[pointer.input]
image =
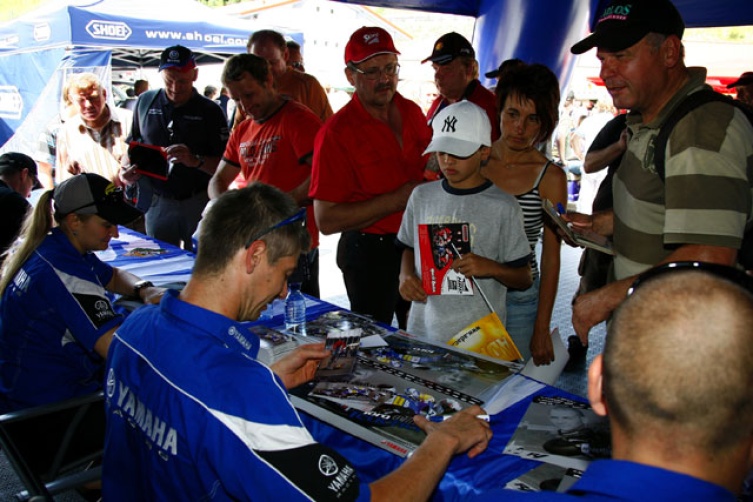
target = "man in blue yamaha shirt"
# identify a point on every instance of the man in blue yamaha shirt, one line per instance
(191, 413)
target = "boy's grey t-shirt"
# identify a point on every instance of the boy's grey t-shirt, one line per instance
(496, 228)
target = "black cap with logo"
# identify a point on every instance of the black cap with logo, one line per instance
(625, 22)
(448, 47)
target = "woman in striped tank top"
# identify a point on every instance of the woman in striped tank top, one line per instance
(528, 99)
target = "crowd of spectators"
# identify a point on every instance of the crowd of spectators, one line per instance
(233, 168)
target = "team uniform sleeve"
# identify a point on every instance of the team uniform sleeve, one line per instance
(282, 460)
(83, 305)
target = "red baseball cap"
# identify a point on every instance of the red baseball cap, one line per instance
(367, 42)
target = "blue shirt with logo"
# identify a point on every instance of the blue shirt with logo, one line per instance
(51, 315)
(192, 415)
(623, 481)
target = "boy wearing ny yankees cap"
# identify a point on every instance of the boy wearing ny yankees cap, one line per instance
(467, 206)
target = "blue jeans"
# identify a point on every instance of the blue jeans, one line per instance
(522, 306)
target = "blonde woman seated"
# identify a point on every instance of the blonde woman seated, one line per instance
(56, 316)
(528, 99)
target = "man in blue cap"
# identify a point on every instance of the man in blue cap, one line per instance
(192, 131)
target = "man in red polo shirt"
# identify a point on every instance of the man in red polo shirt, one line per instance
(367, 159)
(456, 77)
(274, 146)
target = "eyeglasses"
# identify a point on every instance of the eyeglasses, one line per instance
(298, 65)
(112, 196)
(730, 274)
(300, 215)
(375, 73)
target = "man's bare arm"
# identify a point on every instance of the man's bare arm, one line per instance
(333, 217)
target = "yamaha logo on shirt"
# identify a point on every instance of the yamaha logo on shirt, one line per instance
(98, 310)
(327, 465)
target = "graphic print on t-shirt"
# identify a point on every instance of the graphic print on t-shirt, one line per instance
(435, 244)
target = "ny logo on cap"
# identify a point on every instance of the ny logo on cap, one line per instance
(449, 124)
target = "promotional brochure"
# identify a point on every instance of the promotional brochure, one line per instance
(439, 245)
(585, 239)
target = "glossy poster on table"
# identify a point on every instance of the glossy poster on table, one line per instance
(392, 383)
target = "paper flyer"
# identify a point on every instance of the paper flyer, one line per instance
(561, 431)
(343, 348)
(435, 245)
(489, 337)
(585, 239)
(549, 373)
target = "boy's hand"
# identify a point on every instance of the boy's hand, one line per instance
(473, 265)
(411, 288)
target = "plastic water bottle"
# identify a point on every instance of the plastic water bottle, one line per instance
(295, 310)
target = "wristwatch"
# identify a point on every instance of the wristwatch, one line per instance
(141, 285)
(200, 158)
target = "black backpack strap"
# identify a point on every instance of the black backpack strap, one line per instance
(690, 103)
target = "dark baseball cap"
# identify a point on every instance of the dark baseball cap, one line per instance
(506, 65)
(448, 47)
(91, 193)
(745, 79)
(14, 162)
(625, 22)
(178, 57)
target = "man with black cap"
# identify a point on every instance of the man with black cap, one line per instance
(18, 175)
(367, 158)
(193, 131)
(456, 77)
(700, 208)
(744, 88)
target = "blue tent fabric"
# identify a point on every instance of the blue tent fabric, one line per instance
(542, 31)
(535, 32)
(128, 26)
(36, 51)
(696, 13)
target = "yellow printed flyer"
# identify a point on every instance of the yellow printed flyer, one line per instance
(489, 337)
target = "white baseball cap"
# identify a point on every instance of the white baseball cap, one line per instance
(460, 129)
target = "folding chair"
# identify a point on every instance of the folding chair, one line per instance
(56, 447)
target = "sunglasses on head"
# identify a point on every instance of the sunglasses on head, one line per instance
(731, 274)
(112, 196)
(299, 216)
